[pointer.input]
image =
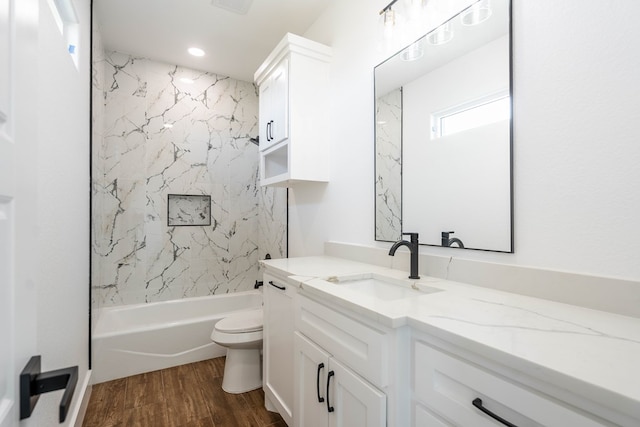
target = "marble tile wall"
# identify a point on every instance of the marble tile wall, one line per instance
(389, 166)
(172, 130)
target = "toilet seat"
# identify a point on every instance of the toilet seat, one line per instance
(243, 322)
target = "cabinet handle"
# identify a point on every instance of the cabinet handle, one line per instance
(282, 288)
(271, 130)
(320, 367)
(329, 407)
(268, 133)
(477, 402)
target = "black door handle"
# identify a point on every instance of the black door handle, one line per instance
(33, 383)
(329, 407)
(282, 288)
(477, 402)
(320, 367)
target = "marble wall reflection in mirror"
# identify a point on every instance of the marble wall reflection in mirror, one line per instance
(444, 136)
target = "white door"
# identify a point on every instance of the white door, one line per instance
(18, 145)
(355, 402)
(312, 367)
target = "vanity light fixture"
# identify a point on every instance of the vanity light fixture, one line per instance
(388, 19)
(413, 52)
(416, 11)
(477, 13)
(401, 13)
(441, 35)
(195, 51)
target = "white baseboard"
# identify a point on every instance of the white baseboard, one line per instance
(79, 409)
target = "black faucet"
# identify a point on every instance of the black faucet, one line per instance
(446, 241)
(413, 247)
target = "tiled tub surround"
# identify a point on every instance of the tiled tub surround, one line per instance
(167, 129)
(573, 353)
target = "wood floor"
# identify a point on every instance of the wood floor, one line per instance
(184, 396)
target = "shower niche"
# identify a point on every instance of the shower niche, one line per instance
(188, 209)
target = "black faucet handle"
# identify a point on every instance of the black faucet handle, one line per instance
(445, 237)
(414, 236)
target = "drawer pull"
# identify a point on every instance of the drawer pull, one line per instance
(329, 407)
(282, 288)
(477, 402)
(320, 367)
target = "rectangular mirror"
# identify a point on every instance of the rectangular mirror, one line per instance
(443, 135)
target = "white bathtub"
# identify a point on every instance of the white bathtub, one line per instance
(133, 339)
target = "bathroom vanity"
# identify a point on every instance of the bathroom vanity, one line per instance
(369, 347)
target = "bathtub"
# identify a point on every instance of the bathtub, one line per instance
(133, 339)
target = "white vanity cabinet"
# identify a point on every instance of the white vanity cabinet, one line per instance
(294, 102)
(330, 394)
(278, 382)
(451, 391)
(333, 356)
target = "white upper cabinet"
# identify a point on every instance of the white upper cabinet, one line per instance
(274, 106)
(293, 85)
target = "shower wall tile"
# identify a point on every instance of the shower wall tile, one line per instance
(163, 136)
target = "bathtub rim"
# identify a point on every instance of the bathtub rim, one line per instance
(98, 334)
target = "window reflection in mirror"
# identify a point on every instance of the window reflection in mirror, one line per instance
(443, 133)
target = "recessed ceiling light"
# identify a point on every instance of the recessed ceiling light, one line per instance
(186, 80)
(195, 51)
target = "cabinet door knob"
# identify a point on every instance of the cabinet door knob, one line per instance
(320, 367)
(329, 407)
(477, 402)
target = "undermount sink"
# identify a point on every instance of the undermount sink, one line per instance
(381, 287)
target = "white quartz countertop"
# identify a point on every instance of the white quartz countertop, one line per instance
(572, 347)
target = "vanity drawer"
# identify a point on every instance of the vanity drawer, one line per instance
(448, 386)
(362, 348)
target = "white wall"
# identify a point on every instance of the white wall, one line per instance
(63, 211)
(576, 119)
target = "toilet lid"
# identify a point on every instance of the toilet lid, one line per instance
(245, 321)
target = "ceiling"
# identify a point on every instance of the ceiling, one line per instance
(235, 44)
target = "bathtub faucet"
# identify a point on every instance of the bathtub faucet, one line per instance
(258, 284)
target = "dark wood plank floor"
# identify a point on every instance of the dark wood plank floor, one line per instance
(184, 396)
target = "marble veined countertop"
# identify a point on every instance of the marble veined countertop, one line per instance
(579, 349)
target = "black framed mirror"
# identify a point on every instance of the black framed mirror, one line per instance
(444, 134)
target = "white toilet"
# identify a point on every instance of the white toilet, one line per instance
(241, 333)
